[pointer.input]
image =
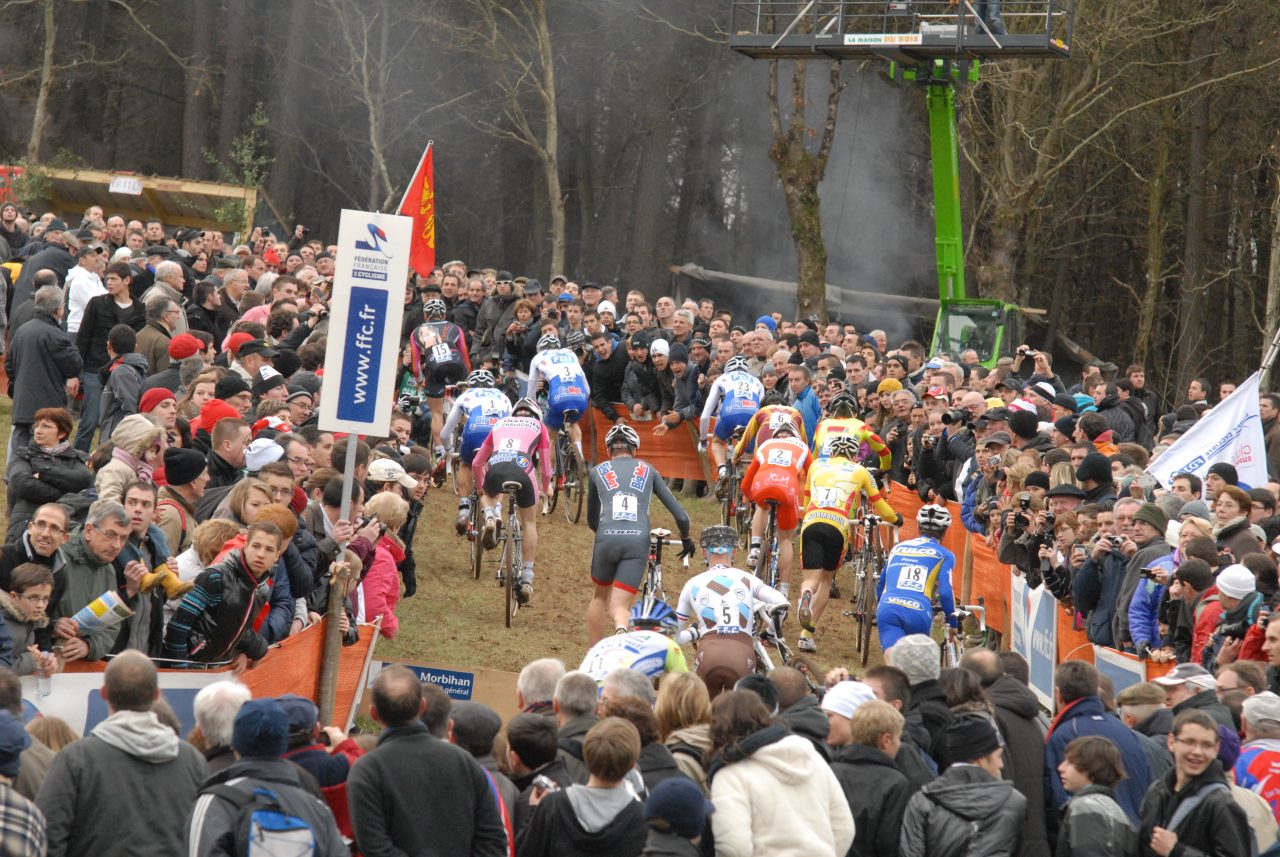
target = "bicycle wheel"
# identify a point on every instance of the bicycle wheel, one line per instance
(866, 607)
(742, 513)
(575, 478)
(477, 546)
(726, 505)
(510, 570)
(557, 476)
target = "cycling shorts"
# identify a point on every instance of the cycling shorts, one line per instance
(472, 440)
(619, 561)
(821, 546)
(730, 421)
(723, 659)
(562, 400)
(441, 375)
(784, 494)
(896, 621)
(509, 471)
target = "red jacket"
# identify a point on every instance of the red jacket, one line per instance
(1206, 616)
(380, 588)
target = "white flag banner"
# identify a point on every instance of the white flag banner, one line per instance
(1231, 432)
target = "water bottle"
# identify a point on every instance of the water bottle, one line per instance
(44, 679)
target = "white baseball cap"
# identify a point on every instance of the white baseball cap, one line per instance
(845, 697)
(386, 470)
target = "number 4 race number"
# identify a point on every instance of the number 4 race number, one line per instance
(625, 507)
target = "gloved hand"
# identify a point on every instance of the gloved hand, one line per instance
(404, 404)
(702, 444)
(687, 548)
(900, 521)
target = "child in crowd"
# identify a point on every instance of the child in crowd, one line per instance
(1093, 824)
(24, 608)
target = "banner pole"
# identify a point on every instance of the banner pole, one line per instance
(333, 614)
(1267, 360)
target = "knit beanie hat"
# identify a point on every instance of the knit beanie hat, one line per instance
(1024, 424)
(214, 411)
(153, 397)
(1236, 581)
(183, 466)
(917, 656)
(970, 737)
(1152, 514)
(1095, 467)
(1226, 471)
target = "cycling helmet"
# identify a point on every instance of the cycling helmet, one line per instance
(773, 397)
(528, 405)
(548, 341)
(934, 518)
(787, 426)
(574, 339)
(654, 614)
(481, 378)
(435, 308)
(842, 404)
(737, 364)
(844, 446)
(622, 433)
(718, 538)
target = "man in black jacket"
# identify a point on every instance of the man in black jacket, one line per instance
(608, 369)
(43, 365)
(866, 734)
(1190, 810)
(226, 461)
(414, 793)
(56, 256)
(799, 708)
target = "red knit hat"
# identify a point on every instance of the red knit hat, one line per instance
(215, 410)
(183, 345)
(153, 397)
(298, 503)
(236, 340)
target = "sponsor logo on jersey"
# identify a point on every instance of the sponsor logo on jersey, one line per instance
(903, 550)
(903, 602)
(638, 475)
(606, 473)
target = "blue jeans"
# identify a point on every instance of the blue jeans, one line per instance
(989, 11)
(90, 410)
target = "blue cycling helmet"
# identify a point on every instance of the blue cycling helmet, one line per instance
(651, 613)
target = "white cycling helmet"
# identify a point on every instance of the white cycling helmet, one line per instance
(435, 308)
(527, 405)
(934, 518)
(548, 341)
(737, 364)
(844, 446)
(481, 378)
(622, 433)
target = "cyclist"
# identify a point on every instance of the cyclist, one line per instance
(439, 360)
(834, 487)
(619, 494)
(733, 400)
(841, 419)
(478, 409)
(916, 568)
(717, 610)
(567, 388)
(516, 445)
(774, 411)
(776, 472)
(645, 645)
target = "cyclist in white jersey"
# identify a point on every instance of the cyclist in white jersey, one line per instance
(646, 646)
(567, 387)
(733, 400)
(475, 412)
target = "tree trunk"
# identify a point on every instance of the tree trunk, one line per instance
(551, 139)
(1157, 189)
(198, 90)
(293, 76)
(234, 76)
(649, 254)
(40, 116)
(1272, 317)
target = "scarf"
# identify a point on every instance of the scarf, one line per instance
(56, 449)
(137, 465)
(1234, 522)
(741, 750)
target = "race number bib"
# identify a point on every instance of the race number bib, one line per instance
(625, 507)
(779, 457)
(509, 444)
(743, 390)
(440, 352)
(911, 578)
(829, 498)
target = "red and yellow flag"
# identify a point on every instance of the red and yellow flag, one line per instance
(420, 203)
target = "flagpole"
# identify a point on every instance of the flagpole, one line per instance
(1268, 359)
(414, 175)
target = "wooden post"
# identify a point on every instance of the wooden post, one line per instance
(337, 593)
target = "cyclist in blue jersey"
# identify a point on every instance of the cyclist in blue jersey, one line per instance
(476, 412)
(567, 387)
(733, 400)
(916, 568)
(646, 646)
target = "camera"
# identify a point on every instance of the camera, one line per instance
(1147, 573)
(956, 415)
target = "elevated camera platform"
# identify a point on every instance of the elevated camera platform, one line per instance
(908, 32)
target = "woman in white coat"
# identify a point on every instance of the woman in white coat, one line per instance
(774, 795)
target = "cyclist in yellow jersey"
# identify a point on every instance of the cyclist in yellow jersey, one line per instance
(841, 421)
(833, 491)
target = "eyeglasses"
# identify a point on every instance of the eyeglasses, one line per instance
(113, 538)
(1206, 746)
(35, 599)
(46, 526)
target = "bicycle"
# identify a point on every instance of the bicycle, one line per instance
(868, 561)
(951, 649)
(476, 546)
(651, 583)
(447, 468)
(735, 511)
(766, 635)
(569, 477)
(767, 564)
(511, 562)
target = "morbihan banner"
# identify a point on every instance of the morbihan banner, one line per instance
(1034, 615)
(1231, 432)
(365, 313)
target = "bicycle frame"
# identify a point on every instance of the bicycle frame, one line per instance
(512, 562)
(652, 583)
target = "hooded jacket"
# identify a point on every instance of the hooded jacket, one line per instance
(121, 392)
(214, 621)
(1018, 717)
(964, 812)
(22, 635)
(1215, 827)
(132, 433)
(1095, 591)
(1086, 716)
(87, 578)
(877, 794)
(37, 477)
(607, 377)
(585, 822)
(805, 718)
(92, 794)
(1093, 823)
(781, 800)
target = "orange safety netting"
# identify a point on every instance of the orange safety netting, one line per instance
(675, 454)
(1073, 644)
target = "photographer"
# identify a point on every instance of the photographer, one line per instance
(941, 458)
(1149, 525)
(896, 432)
(1028, 532)
(980, 496)
(1062, 558)
(1096, 587)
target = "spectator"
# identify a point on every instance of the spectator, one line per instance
(473, 726)
(1191, 687)
(1142, 709)
(676, 813)
(186, 474)
(124, 374)
(37, 757)
(260, 737)
(414, 793)
(230, 439)
(1092, 822)
(574, 704)
(1097, 584)
(22, 821)
(601, 818)
(927, 713)
(607, 370)
(683, 711)
(892, 685)
(330, 764)
(773, 793)
(1231, 523)
(95, 787)
(799, 709)
(969, 808)
(532, 751)
(215, 709)
(163, 314)
(1080, 712)
(655, 763)
(137, 449)
(866, 734)
(536, 686)
(1210, 822)
(379, 590)
(45, 470)
(88, 573)
(42, 364)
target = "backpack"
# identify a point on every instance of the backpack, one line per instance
(262, 827)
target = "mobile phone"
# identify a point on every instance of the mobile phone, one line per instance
(542, 781)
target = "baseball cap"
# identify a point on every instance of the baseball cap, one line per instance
(564, 298)
(1000, 437)
(1192, 674)
(844, 697)
(1044, 389)
(386, 470)
(257, 346)
(1262, 706)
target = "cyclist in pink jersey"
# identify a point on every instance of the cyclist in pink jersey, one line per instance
(518, 444)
